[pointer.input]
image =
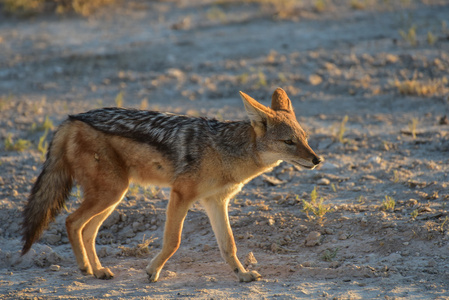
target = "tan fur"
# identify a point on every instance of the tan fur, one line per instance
(104, 165)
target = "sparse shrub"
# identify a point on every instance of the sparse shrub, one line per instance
(216, 14)
(119, 100)
(330, 254)
(315, 209)
(414, 214)
(141, 250)
(262, 79)
(431, 39)
(388, 203)
(416, 87)
(42, 146)
(342, 130)
(357, 4)
(133, 190)
(409, 36)
(46, 125)
(412, 126)
(26, 8)
(19, 145)
(320, 5)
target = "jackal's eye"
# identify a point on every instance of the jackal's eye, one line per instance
(289, 142)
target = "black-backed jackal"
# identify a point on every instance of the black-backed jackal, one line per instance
(104, 150)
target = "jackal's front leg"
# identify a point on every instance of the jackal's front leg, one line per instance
(177, 209)
(217, 210)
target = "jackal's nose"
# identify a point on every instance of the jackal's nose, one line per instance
(316, 160)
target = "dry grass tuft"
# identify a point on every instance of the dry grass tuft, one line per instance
(417, 87)
(27, 8)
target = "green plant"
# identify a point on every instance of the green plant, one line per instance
(151, 192)
(19, 145)
(330, 254)
(396, 176)
(133, 189)
(342, 130)
(243, 78)
(412, 127)
(42, 146)
(216, 13)
(414, 214)
(334, 188)
(119, 100)
(444, 223)
(431, 39)
(262, 79)
(358, 4)
(388, 203)
(140, 250)
(46, 125)
(315, 209)
(409, 36)
(26, 8)
(421, 88)
(320, 5)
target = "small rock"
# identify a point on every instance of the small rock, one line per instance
(375, 160)
(328, 231)
(271, 222)
(343, 236)
(137, 226)
(187, 259)
(55, 267)
(313, 239)
(206, 247)
(52, 238)
(323, 181)
(250, 259)
(272, 180)
(302, 227)
(307, 264)
(412, 202)
(315, 79)
(364, 221)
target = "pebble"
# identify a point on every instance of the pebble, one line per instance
(315, 79)
(313, 239)
(323, 181)
(343, 237)
(302, 227)
(364, 221)
(187, 259)
(55, 268)
(375, 160)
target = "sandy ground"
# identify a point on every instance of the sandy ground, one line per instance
(193, 57)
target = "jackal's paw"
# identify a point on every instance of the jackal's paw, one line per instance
(104, 273)
(249, 276)
(86, 271)
(153, 275)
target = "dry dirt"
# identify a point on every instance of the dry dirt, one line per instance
(193, 57)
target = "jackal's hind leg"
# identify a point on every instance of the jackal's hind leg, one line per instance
(89, 234)
(217, 211)
(177, 209)
(82, 227)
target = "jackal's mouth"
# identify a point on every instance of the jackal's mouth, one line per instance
(304, 164)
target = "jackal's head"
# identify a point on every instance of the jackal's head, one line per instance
(278, 134)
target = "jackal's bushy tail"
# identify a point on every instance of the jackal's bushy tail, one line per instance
(48, 194)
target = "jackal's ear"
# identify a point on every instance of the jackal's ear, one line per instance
(257, 112)
(280, 101)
